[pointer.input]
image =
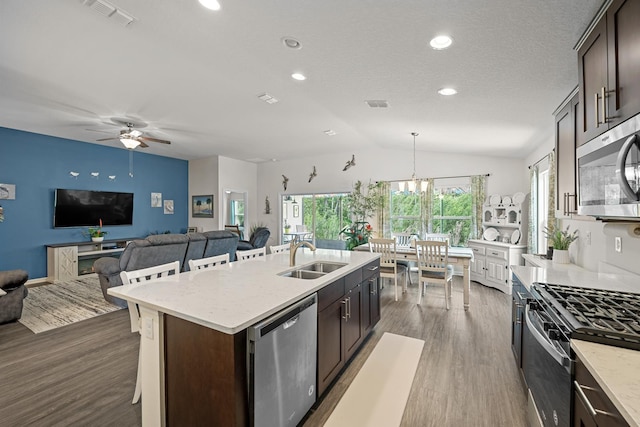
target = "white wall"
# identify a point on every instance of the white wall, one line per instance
(203, 180)
(376, 165)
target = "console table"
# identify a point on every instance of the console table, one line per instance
(69, 260)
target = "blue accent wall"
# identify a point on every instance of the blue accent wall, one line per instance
(38, 164)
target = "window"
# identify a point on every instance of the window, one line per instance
(452, 209)
(406, 211)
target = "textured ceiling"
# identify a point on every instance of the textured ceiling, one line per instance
(194, 75)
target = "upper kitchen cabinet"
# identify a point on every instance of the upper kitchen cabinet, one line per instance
(608, 64)
(566, 117)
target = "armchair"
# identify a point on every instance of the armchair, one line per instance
(258, 240)
(12, 294)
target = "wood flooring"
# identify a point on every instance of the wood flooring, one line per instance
(84, 374)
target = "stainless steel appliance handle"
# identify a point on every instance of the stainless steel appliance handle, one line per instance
(289, 323)
(620, 168)
(546, 345)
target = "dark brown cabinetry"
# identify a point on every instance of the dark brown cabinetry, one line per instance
(565, 133)
(608, 64)
(591, 406)
(347, 311)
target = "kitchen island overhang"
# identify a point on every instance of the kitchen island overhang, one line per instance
(225, 300)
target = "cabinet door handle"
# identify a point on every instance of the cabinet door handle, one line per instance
(603, 99)
(374, 268)
(349, 307)
(344, 302)
(595, 111)
(583, 397)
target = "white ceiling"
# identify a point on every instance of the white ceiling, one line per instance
(194, 75)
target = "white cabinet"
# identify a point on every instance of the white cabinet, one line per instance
(62, 262)
(491, 261)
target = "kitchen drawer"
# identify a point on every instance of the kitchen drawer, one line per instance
(352, 280)
(607, 414)
(370, 269)
(330, 293)
(477, 250)
(497, 253)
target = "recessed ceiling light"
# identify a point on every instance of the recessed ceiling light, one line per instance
(441, 42)
(292, 43)
(298, 76)
(210, 4)
(447, 91)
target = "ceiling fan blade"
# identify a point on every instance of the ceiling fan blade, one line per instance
(142, 144)
(106, 139)
(161, 141)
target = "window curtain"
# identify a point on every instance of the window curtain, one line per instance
(551, 214)
(426, 202)
(478, 185)
(533, 210)
(384, 210)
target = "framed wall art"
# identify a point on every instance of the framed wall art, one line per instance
(296, 211)
(202, 206)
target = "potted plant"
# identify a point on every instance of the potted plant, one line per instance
(363, 203)
(357, 234)
(97, 233)
(560, 240)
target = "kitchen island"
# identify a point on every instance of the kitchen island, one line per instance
(200, 318)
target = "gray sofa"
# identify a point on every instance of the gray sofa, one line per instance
(14, 292)
(161, 249)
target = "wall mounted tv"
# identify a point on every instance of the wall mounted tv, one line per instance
(80, 208)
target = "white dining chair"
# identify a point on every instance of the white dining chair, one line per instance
(433, 266)
(141, 276)
(212, 261)
(438, 237)
(276, 249)
(389, 266)
(251, 254)
(404, 239)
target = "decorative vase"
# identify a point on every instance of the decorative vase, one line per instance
(97, 239)
(560, 256)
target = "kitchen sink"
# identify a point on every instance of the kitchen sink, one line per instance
(322, 266)
(312, 271)
(302, 274)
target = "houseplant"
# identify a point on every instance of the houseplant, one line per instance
(560, 240)
(97, 233)
(362, 203)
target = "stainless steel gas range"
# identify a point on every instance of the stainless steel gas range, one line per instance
(546, 317)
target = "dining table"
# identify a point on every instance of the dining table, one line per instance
(459, 256)
(296, 236)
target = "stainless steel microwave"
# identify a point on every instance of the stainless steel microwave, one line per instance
(609, 173)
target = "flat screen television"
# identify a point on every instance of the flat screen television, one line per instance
(85, 208)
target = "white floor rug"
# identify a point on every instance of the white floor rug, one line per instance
(379, 392)
(63, 303)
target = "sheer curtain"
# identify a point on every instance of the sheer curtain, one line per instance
(478, 185)
(383, 212)
(551, 203)
(426, 202)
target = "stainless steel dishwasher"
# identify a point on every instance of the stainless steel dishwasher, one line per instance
(282, 365)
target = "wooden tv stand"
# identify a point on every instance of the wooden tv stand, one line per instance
(69, 260)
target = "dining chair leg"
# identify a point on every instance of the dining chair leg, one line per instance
(396, 286)
(420, 284)
(406, 273)
(447, 294)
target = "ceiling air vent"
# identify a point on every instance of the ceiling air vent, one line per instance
(377, 103)
(108, 10)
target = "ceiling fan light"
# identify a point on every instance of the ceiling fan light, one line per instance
(130, 143)
(401, 185)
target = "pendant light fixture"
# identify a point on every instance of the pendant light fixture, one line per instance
(413, 183)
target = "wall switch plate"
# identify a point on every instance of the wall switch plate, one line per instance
(618, 244)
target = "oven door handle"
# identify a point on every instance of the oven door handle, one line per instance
(562, 359)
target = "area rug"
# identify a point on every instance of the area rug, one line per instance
(63, 303)
(378, 394)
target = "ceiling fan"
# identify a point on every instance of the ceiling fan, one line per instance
(132, 138)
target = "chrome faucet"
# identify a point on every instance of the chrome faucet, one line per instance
(293, 248)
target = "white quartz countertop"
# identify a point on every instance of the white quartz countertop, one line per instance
(617, 370)
(231, 297)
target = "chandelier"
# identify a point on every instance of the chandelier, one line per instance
(414, 183)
